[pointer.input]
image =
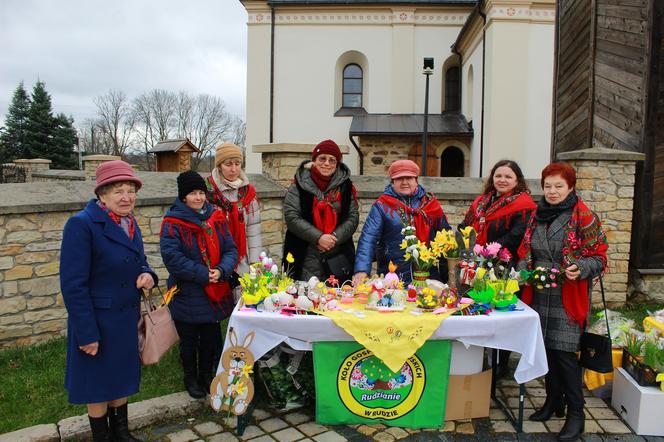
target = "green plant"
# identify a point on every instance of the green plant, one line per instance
(634, 345)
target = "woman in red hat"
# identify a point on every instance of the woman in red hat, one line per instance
(102, 272)
(563, 234)
(321, 213)
(403, 203)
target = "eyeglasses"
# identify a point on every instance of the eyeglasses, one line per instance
(332, 161)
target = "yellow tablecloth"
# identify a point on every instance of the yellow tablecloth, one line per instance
(594, 379)
(393, 337)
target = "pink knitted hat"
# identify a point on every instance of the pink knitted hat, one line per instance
(114, 171)
(402, 168)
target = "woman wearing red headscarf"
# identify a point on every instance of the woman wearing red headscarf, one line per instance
(501, 213)
(321, 213)
(404, 202)
(563, 234)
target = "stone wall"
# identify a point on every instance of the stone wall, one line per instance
(381, 151)
(647, 285)
(32, 217)
(281, 160)
(31, 305)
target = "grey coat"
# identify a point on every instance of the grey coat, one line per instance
(560, 332)
(305, 230)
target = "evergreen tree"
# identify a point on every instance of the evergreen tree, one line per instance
(49, 137)
(64, 141)
(41, 124)
(12, 138)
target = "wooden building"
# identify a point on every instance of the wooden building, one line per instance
(174, 155)
(609, 93)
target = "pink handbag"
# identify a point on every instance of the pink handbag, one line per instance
(156, 330)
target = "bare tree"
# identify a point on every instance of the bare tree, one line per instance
(239, 132)
(116, 119)
(93, 138)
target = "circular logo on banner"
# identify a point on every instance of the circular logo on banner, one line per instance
(369, 389)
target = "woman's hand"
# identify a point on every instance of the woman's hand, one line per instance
(326, 242)
(144, 281)
(358, 278)
(572, 272)
(90, 349)
(214, 275)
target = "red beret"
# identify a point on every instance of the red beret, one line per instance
(402, 168)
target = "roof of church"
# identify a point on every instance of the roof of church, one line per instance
(447, 123)
(372, 2)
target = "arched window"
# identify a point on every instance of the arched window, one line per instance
(352, 86)
(451, 162)
(452, 99)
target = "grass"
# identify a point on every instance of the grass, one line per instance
(32, 386)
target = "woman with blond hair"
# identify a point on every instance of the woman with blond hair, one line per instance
(230, 190)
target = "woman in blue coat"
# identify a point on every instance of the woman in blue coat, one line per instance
(200, 255)
(102, 271)
(403, 203)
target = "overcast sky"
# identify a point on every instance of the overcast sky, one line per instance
(83, 48)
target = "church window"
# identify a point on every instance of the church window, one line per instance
(352, 86)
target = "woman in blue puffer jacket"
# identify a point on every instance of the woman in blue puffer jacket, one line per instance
(200, 256)
(404, 203)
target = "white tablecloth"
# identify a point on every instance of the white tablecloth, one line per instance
(518, 331)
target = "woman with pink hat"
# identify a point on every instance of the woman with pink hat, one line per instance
(103, 270)
(321, 213)
(403, 203)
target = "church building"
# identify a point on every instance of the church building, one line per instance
(354, 71)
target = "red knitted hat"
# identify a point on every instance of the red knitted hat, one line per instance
(114, 171)
(328, 147)
(402, 168)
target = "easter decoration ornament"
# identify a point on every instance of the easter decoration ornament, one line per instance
(232, 389)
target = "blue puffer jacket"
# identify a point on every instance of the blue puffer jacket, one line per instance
(182, 258)
(381, 237)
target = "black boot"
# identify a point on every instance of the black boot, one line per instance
(574, 425)
(551, 405)
(119, 424)
(209, 354)
(205, 373)
(191, 376)
(99, 427)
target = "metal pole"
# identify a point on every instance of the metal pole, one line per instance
(424, 130)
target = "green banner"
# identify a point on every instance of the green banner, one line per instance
(355, 387)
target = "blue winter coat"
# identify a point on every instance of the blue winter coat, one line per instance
(186, 269)
(381, 237)
(99, 266)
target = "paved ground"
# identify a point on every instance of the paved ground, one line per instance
(602, 424)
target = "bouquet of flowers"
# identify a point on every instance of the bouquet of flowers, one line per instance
(427, 299)
(542, 277)
(422, 257)
(263, 279)
(447, 244)
(494, 281)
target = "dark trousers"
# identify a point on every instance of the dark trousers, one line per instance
(200, 342)
(564, 378)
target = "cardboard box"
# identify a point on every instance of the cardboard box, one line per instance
(466, 360)
(641, 407)
(468, 396)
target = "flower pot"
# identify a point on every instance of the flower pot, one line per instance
(644, 375)
(420, 278)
